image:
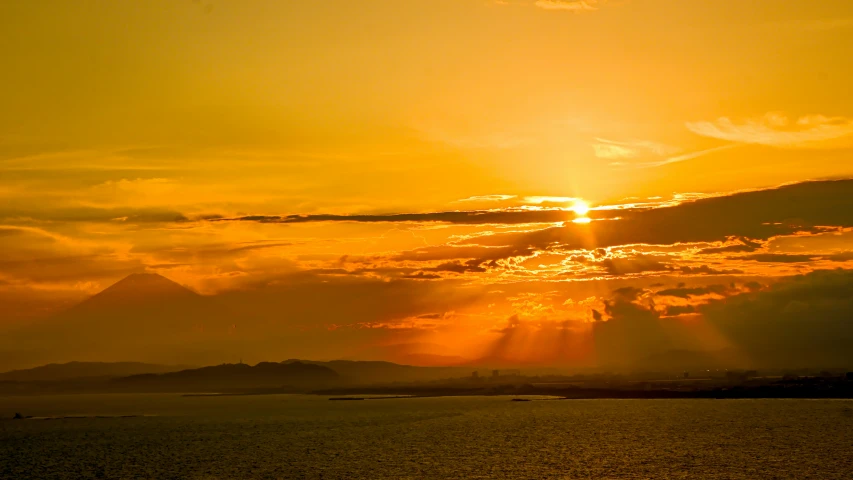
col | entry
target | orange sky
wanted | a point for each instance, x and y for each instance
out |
(250, 148)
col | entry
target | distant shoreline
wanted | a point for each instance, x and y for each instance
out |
(584, 394)
(840, 391)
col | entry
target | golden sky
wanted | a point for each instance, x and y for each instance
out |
(412, 164)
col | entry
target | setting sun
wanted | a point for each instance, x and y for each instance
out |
(581, 208)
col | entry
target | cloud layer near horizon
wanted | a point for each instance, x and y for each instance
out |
(776, 129)
(441, 277)
(412, 152)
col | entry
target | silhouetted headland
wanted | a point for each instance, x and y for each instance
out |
(290, 376)
(91, 370)
(236, 378)
(391, 380)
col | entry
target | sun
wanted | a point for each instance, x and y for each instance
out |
(581, 208)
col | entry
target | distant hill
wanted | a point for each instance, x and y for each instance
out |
(234, 377)
(75, 370)
(686, 360)
(298, 375)
(372, 372)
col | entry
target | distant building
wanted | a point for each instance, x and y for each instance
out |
(475, 375)
(496, 373)
(686, 374)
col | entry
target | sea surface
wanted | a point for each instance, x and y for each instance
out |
(293, 436)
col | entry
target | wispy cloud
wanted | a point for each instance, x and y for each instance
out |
(612, 152)
(575, 6)
(774, 129)
(778, 130)
(686, 156)
(487, 198)
(570, 5)
(545, 199)
(611, 149)
(473, 217)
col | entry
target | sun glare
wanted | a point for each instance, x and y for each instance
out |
(581, 208)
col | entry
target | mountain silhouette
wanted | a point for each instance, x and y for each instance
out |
(142, 318)
(138, 289)
(149, 318)
(146, 304)
(76, 370)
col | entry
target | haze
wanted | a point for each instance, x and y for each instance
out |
(580, 184)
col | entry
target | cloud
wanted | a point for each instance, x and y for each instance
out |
(776, 258)
(487, 198)
(755, 215)
(742, 245)
(633, 332)
(458, 267)
(613, 150)
(471, 217)
(643, 263)
(795, 258)
(208, 252)
(765, 212)
(687, 292)
(570, 5)
(638, 264)
(552, 200)
(820, 207)
(303, 299)
(776, 129)
(95, 214)
(493, 203)
(686, 156)
(800, 321)
(706, 270)
(840, 257)
(720, 235)
(450, 252)
(574, 6)
(758, 215)
(676, 310)
(804, 320)
(289, 316)
(666, 155)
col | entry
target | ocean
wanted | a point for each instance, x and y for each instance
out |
(300, 436)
